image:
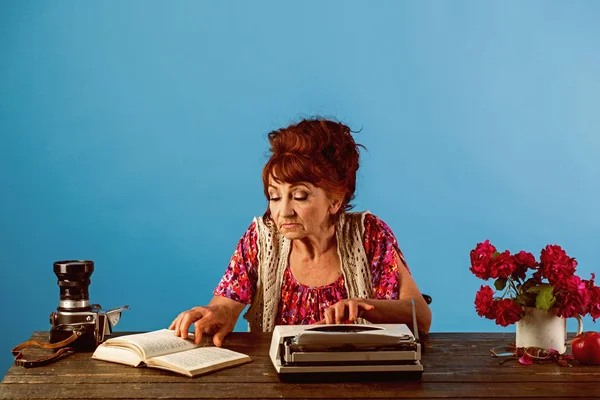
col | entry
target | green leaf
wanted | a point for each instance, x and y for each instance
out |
(500, 283)
(534, 289)
(495, 254)
(526, 299)
(545, 299)
(528, 283)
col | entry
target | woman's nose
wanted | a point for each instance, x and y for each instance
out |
(286, 208)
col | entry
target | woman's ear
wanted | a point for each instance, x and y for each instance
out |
(335, 205)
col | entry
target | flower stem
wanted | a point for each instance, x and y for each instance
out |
(511, 283)
(506, 290)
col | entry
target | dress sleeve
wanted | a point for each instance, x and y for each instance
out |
(380, 242)
(239, 281)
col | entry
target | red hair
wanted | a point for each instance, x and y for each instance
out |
(317, 151)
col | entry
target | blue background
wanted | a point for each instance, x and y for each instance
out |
(134, 133)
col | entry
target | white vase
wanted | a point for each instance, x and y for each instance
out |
(538, 328)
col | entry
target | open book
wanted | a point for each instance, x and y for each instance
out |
(162, 349)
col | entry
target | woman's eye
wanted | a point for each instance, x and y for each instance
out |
(300, 196)
(274, 198)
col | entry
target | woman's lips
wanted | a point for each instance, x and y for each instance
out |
(289, 225)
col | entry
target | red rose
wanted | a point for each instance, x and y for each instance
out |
(481, 256)
(507, 312)
(523, 261)
(502, 265)
(594, 303)
(572, 297)
(484, 302)
(555, 264)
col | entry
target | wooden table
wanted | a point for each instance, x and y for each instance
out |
(457, 365)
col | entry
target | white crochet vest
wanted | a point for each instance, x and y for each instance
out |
(273, 254)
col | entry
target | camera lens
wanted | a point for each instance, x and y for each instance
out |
(73, 281)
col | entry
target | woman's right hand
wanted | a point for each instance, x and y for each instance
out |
(217, 319)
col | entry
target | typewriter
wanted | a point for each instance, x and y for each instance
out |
(350, 350)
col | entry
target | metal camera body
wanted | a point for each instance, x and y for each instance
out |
(74, 313)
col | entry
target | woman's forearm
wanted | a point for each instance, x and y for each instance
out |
(399, 312)
(232, 308)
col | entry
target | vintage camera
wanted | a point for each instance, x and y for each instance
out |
(74, 313)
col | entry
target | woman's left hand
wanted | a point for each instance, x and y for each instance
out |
(346, 310)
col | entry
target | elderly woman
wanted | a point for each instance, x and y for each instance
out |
(308, 259)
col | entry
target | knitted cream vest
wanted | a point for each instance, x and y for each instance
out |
(273, 254)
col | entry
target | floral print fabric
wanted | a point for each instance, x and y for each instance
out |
(300, 304)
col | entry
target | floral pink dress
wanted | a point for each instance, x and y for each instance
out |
(304, 305)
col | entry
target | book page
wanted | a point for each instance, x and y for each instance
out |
(202, 359)
(152, 344)
(119, 354)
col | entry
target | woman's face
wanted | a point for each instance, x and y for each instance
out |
(300, 209)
